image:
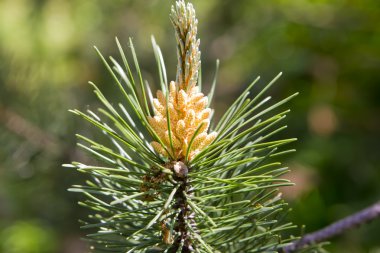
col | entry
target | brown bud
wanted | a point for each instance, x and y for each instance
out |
(180, 169)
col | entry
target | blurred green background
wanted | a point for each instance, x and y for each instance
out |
(329, 51)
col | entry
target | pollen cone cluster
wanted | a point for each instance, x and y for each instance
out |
(181, 117)
(189, 119)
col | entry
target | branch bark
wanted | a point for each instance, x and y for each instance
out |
(364, 216)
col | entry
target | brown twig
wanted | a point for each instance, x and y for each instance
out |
(26, 129)
(366, 215)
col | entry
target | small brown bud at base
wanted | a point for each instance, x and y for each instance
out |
(180, 169)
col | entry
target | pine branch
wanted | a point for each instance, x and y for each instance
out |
(169, 181)
(364, 216)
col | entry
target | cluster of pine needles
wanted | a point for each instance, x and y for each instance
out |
(169, 196)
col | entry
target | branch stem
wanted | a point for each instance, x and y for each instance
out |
(364, 216)
(184, 219)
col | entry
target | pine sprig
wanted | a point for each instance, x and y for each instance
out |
(158, 192)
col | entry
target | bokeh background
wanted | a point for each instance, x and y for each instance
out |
(329, 51)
